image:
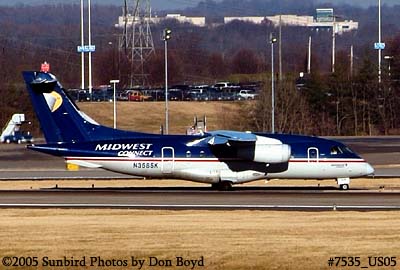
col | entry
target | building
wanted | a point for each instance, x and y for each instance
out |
(324, 19)
(285, 19)
(251, 19)
(198, 21)
(340, 27)
(324, 15)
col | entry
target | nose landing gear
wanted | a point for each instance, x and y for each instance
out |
(344, 183)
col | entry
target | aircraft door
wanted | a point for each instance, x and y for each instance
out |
(312, 154)
(167, 159)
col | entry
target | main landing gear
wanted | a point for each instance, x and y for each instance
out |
(344, 183)
(222, 185)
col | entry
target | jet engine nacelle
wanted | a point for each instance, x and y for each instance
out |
(272, 153)
(266, 150)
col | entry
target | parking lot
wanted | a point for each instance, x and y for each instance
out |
(218, 92)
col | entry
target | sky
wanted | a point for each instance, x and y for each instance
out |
(181, 4)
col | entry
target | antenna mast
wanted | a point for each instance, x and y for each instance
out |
(136, 42)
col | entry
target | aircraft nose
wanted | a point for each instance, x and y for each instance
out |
(369, 169)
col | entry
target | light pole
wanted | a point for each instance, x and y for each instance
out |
(90, 51)
(380, 42)
(166, 36)
(272, 40)
(114, 82)
(82, 53)
(333, 43)
(389, 58)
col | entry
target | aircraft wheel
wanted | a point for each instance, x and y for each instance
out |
(215, 185)
(225, 185)
(8, 141)
(344, 187)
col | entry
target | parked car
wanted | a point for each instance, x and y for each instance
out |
(175, 95)
(157, 94)
(101, 95)
(136, 95)
(122, 97)
(78, 94)
(247, 94)
(196, 96)
(224, 85)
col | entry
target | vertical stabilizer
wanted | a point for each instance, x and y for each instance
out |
(60, 119)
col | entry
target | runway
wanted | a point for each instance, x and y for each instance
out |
(18, 163)
(203, 198)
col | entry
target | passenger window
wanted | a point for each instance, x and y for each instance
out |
(201, 153)
(313, 153)
(188, 154)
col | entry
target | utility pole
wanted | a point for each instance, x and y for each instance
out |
(82, 49)
(280, 48)
(166, 36)
(90, 51)
(114, 82)
(272, 40)
(380, 42)
(82, 53)
(351, 61)
(136, 41)
(333, 42)
(309, 56)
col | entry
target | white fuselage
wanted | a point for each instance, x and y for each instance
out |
(212, 170)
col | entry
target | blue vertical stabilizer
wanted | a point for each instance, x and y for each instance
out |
(60, 119)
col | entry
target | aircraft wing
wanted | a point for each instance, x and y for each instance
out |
(222, 137)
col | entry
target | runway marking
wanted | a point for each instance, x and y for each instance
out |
(201, 206)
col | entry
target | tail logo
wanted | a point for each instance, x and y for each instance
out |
(54, 100)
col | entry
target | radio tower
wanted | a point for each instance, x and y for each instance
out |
(136, 42)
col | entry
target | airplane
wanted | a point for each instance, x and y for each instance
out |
(221, 158)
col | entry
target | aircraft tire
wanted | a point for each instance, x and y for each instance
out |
(225, 185)
(215, 185)
(344, 187)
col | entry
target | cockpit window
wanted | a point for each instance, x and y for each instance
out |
(348, 150)
(336, 150)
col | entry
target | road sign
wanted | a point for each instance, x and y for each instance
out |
(45, 67)
(379, 46)
(86, 48)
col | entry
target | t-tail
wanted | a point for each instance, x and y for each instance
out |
(60, 119)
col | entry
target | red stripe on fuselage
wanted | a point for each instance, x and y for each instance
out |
(213, 160)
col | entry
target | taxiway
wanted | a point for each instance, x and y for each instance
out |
(203, 198)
